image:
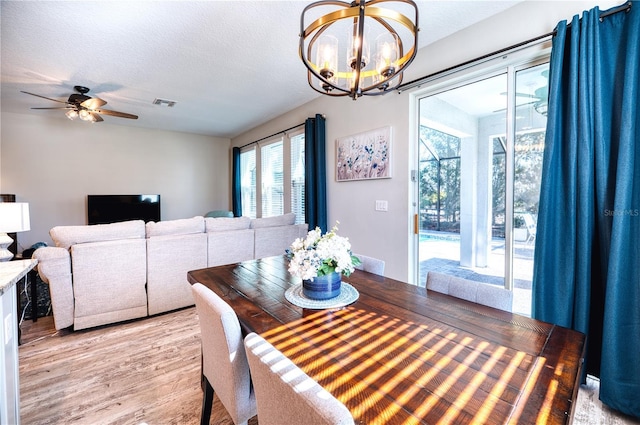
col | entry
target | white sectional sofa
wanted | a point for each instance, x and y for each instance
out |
(108, 273)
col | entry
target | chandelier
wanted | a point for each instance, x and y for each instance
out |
(336, 45)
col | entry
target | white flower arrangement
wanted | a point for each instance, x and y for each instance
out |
(319, 255)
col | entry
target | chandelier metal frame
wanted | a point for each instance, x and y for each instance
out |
(360, 12)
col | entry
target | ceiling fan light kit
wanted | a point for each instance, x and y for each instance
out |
(87, 108)
(335, 47)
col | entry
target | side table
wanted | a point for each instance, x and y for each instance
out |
(33, 282)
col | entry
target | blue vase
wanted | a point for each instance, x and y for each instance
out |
(322, 287)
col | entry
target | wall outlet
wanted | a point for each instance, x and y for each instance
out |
(382, 206)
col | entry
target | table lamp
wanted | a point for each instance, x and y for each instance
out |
(14, 217)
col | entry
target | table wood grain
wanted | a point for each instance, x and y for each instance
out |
(400, 355)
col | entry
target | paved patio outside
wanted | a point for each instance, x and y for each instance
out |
(440, 252)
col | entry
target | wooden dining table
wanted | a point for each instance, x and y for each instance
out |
(401, 354)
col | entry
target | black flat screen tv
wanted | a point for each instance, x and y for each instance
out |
(104, 209)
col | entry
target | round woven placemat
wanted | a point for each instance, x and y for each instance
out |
(348, 295)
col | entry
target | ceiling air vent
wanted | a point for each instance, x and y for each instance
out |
(168, 103)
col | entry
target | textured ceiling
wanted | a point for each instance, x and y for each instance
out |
(229, 65)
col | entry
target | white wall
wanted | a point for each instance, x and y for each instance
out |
(387, 235)
(54, 164)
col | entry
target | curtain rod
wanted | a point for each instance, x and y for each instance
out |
(274, 134)
(419, 81)
(622, 8)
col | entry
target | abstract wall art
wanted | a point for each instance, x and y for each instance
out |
(364, 156)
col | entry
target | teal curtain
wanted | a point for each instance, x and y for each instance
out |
(587, 256)
(315, 186)
(236, 192)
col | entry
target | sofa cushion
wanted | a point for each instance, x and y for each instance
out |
(109, 281)
(229, 247)
(271, 241)
(65, 236)
(169, 258)
(184, 226)
(278, 220)
(54, 267)
(223, 224)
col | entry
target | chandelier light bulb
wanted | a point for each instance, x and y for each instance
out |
(72, 114)
(327, 60)
(357, 44)
(387, 54)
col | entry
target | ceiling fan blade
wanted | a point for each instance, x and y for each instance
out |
(96, 117)
(57, 107)
(116, 114)
(93, 103)
(44, 97)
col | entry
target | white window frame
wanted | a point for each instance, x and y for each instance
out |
(286, 147)
(288, 174)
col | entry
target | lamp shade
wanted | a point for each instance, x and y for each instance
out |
(14, 217)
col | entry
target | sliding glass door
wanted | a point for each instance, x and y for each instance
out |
(480, 155)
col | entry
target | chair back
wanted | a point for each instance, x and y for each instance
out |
(287, 395)
(531, 227)
(224, 361)
(370, 264)
(470, 290)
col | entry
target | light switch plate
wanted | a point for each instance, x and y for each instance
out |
(382, 206)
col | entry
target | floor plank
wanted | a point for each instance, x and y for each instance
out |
(143, 371)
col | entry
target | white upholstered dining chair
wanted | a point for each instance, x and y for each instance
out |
(470, 290)
(370, 264)
(287, 395)
(224, 362)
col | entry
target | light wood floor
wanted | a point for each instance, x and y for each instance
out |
(146, 372)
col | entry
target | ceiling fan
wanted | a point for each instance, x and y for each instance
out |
(539, 99)
(85, 107)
